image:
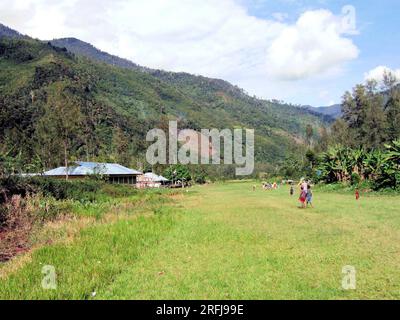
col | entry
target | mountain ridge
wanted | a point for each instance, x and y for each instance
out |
(80, 47)
(88, 50)
(334, 111)
(120, 105)
(8, 32)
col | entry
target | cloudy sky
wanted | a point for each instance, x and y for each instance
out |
(300, 51)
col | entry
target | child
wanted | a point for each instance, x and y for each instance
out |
(302, 198)
(309, 197)
(357, 194)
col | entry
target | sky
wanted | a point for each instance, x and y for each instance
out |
(305, 52)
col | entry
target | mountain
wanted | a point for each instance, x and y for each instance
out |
(10, 33)
(52, 99)
(82, 48)
(181, 79)
(334, 111)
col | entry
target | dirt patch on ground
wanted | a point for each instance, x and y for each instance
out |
(12, 242)
(15, 230)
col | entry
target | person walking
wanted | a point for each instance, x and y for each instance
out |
(304, 186)
(309, 197)
(303, 198)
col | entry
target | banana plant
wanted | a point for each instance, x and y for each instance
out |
(357, 161)
(390, 170)
(373, 163)
(393, 153)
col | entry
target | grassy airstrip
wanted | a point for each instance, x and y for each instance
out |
(221, 241)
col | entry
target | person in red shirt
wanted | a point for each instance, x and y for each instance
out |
(357, 194)
(303, 198)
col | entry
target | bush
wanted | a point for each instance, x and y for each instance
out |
(199, 178)
(17, 223)
(50, 208)
(116, 191)
(178, 172)
(13, 185)
(19, 51)
(80, 190)
(355, 178)
(85, 190)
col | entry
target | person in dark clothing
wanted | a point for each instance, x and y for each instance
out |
(309, 197)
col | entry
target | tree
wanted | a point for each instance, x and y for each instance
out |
(292, 167)
(351, 109)
(309, 134)
(9, 165)
(364, 117)
(120, 143)
(324, 140)
(389, 81)
(373, 127)
(178, 172)
(393, 115)
(392, 107)
(341, 134)
(60, 129)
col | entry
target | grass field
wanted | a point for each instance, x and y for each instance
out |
(221, 241)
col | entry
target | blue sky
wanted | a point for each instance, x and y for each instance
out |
(378, 40)
(299, 51)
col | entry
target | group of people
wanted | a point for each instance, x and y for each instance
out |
(270, 186)
(306, 195)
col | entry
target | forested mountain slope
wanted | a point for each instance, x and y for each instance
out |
(51, 100)
(10, 33)
(198, 86)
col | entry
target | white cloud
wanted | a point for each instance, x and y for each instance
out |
(214, 38)
(315, 44)
(378, 73)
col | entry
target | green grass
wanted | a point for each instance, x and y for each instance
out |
(225, 241)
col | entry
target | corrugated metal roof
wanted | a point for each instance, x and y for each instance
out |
(90, 168)
(155, 177)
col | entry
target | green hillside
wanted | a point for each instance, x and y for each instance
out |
(197, 86)
(51, 99)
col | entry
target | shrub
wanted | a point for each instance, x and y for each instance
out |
(80, 190)
(199, 178)
(116, 191)
(13, 185)
(17, 224)
(355, 178)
